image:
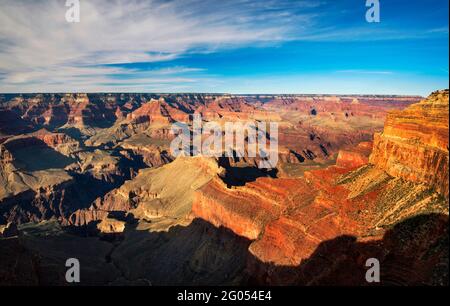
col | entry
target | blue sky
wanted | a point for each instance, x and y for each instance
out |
(235, 46)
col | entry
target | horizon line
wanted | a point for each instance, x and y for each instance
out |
(221, 93)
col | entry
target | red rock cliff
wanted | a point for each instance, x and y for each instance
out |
(414, 144)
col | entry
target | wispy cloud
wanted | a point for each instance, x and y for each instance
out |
(368, 33)
(443, 30)
(37, 45)
(362, 71)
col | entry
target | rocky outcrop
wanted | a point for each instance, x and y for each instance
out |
(38, 178)
(158, 112)
(246, 210)
(61, 142)
(32, 197)
(414, 143)
(111, 226)
(361, 204)
(154, 193)
(153, 149)
(8, 230)
(100, 165)
(411, 253)
(355, 158)
(234, 108)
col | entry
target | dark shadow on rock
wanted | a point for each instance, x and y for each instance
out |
(74, 133)
(98, 113)
(88, 188)
(18, 265)
(11, 123)
(298, 156)
(66, 198)
(413, 252)
(240, 175)
(198, 254)
(32, 154)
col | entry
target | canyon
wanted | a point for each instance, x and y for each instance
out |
(91, 176)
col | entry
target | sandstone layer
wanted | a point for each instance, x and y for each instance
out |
(154, 193)
(414, 143)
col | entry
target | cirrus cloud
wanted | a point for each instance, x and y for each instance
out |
(41, 51)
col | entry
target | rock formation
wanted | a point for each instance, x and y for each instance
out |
(414, 143)
(8, 230)
(111, 226)
(154, 193)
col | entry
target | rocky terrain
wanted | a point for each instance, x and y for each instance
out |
(414, 143)
(364, 204)
(91, 176)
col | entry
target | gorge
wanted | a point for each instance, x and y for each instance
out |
(91, 176)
